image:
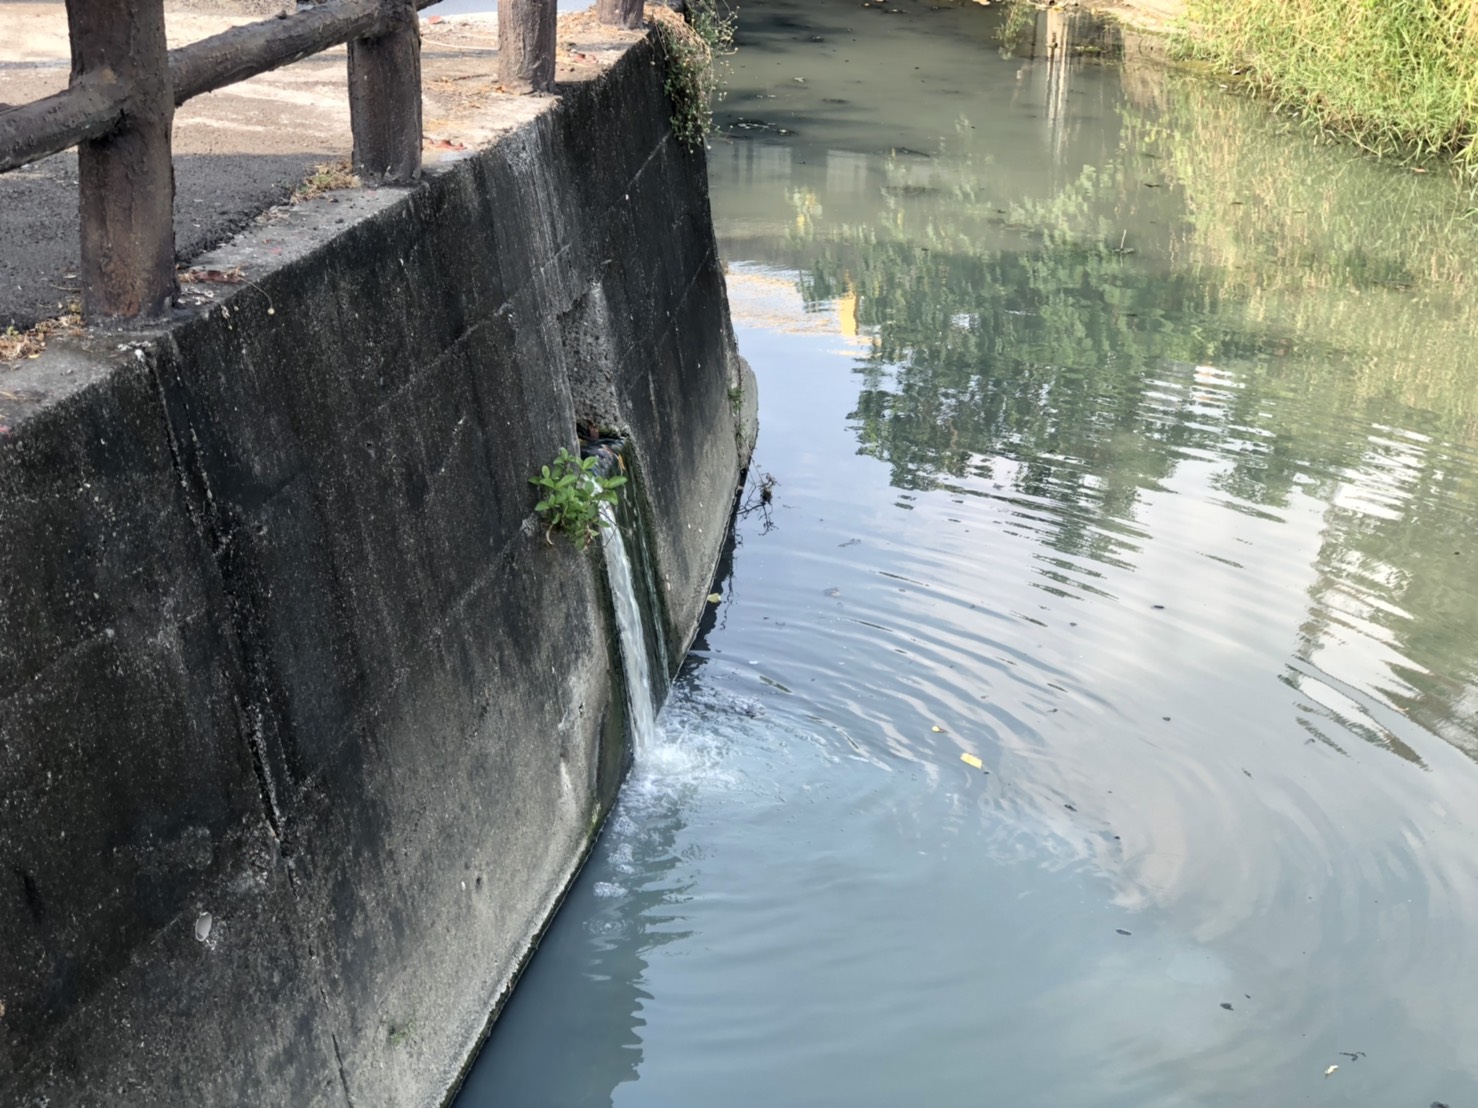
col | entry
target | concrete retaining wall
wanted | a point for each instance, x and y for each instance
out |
(303, 727)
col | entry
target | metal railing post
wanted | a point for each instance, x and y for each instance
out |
(127, 178)
(385, 97)
(526, 31)
(621, 13)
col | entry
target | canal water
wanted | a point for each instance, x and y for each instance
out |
(1123, 439)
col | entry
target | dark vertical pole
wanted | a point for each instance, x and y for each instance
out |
(526, 45)
(127, 179)
(622, 13)
(385, 97)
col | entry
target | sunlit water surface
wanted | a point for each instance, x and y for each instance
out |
(1126, 443)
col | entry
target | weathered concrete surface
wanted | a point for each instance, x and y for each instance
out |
(303, 727)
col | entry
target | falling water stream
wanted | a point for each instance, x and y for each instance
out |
(632, 635)
(1125, 440)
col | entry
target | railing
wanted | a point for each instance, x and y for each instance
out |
(118, 109)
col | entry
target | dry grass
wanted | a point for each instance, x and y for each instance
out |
(326, 177)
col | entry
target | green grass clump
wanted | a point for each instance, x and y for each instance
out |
(1399, 77)
(574, 490)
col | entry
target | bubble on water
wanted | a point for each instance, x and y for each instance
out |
(608, 889)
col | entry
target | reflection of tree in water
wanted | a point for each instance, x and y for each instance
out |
(1397, 565)
(1252, 307)
(1060, 361)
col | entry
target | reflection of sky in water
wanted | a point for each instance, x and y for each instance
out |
(1153, 526)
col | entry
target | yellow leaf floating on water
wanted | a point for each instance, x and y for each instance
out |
(715, 597)
(936, 727)
(1330, 1070)
(971, 760)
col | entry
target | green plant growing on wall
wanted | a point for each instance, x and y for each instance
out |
(691, 48)
(401, 1035)
(573, 494)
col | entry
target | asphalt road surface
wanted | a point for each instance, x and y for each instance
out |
(215, 196)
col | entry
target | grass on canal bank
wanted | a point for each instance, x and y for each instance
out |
(1399, 77)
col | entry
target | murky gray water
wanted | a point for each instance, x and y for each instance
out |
(1125, 443)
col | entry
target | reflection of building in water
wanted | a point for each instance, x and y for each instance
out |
(751, 163)
(1059, 37)
(846, 172)
(847, 310)
(1053, 80)
(762, 163)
